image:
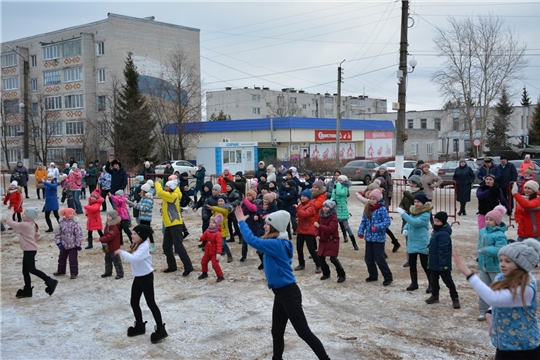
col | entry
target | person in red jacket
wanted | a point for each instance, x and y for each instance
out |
(328, 236)
(93, 221)
(213, 248)
(527, 213)
(221, 180)
(305, 212)
(318, 196)
(14, 196)
(111, 242)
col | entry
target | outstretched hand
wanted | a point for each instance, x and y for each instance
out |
(240, 214)
(460, 264)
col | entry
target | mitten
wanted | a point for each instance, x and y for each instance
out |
(515, 188)
(477, 252)
(361, 192)
(60, 246)
(78, 248)
(400, 210)
(405, 232)
(373, 228)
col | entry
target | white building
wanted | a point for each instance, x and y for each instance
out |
(262, 102)
(64, 77)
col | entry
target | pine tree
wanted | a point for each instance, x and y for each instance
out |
(133, 125)
(525, 100)
(496, 134)
(220, 117)
(534, 131)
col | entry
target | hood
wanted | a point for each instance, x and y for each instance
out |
(346, 183)
(318, 192)
(228, 206)
(114, 221)
(427, 207)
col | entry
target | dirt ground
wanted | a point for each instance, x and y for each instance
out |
(87, 318)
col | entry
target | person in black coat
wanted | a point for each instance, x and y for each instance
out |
(261, 170)
(118, 177)
(289, 197)
(20, 174)
(508, 174)
(464, 178)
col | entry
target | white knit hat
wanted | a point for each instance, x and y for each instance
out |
(146, 188)
(31, 212)
(171, 184)
(279, 221)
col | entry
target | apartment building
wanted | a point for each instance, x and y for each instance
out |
(261, 102)
(62, 80)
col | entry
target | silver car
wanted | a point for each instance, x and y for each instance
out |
(179, 167)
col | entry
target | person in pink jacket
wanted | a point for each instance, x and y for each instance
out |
(120, 204)
(74, 180)
(93, 217)
(28, 234)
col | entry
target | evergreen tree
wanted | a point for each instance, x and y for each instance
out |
(496, 134)
(525, 100)
(534, 131)
(220, 117)
(133, 125)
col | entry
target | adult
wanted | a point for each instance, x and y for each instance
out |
(489, 169)
(464, 178)
(71, 161)
(20, 174)
(239, 183)
(74, 180)
(489, 195)
(104, 181)
(270, 173)
(261, 170)
(221, 180)
(280, 175)
(118, 176)
(97, 164)
(41, 176)
(147, 169)
(67, 169)
(199, 176)
(235, 199)
(331, 184)
(53, 171)
(91, 177)
(508, 174)
(309, 179)
(526, 164)
(527, 213)
(51, 202)
(417, 169)
(430, 181)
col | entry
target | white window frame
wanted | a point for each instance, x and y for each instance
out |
(51, 77)
(34, 109)
(101, 75)
(256, 111)
(14, 154)
(74, 101)
(304, 106)
(11, 107)
(33, 60)
(255, 97)
(75, 46)
(410, 123)
(51, 52)
(55, 128)
(329, 112)
(100, 48)
(268, 104)
(10, 83)
(73, 74)
(33, 84)
(102, 128)
(232, 156)
(55, 154)
(53, 103)
(74, 128)
(429, 148)
(414, 149)
(423, 123)
(328, 100)
(12, 130)
(10, 59)
(437, 124)
(292, 100)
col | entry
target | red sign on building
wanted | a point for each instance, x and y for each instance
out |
(330, 135)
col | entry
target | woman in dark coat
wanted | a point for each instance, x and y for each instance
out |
(51, 202)
(199, 176)
(20, 174)
(464, 178)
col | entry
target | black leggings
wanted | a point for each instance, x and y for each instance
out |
(19, 217)
(29, 267)
(144, 285)
(288, 306)
(124, 226)
(145, 222)
(48, 218)
(312, 248)
(518, 355)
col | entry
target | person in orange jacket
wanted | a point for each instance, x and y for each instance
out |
(305, 212)
(221, 180)
(41, 176)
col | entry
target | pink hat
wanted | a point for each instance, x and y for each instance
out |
(217, 219)
(172, 177)
(66, 212)
(376, 193)
(497, 214)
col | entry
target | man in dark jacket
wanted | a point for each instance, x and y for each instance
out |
(91, 177)
(20, 174)
(489, 169)
(508, 174)
(118, 176)
(260, 171)
(418, 169)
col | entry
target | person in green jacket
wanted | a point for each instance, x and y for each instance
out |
(91, 177)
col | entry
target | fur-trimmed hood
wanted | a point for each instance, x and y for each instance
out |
(427, 207)
(114, 221)
(315, 193)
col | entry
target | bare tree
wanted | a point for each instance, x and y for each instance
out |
(9, 125)
(285, 106)
(481, 58)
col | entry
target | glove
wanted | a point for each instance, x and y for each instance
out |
(477, 252)
(514, 188)
(405, 232)
(60, 246)
(78, 248)
(400, 210)
(360, 236)
(361, 192)
(373, 229)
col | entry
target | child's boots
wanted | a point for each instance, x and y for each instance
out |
(159, 334)
(51, 286)
(353, 240)
(137, 329)
(24, 293)
(90, 243)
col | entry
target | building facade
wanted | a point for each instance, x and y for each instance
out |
(57, 85)
(262, 102)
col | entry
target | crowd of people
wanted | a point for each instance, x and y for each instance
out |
(279, 205)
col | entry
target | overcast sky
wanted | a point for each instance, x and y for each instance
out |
(300, 44)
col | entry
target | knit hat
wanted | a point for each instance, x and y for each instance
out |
(74, 166)
(441, 216)
(146, 188)
(424, 165)
(51, 164)
(319, 184)
(113, 214)
(66, 212)
(376, 193)
(419, 162)
(31, 212)
(226, 168)
(279, 221)
(139, 177)
(172, 177)
(239, 173)
(119, 193)
(306, 193)
(150, 182)
(253, 193)
(415, 179)
(171, 184)
(374, 185)
(217, 187)
(291, 183)
(261, 162)
(14, 183)
(115, 162)
(421, 197)
(383, 167)
(343, 178)
(144, 231)
(269, 197)
(329, 203)
(497, 214)
(531, 184)
(293, 169)
(217, 219)
(525, 254)
(147, 163)
(184, 174)
(270, 167)
(462, 160)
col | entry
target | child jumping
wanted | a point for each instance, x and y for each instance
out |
(68, 238)
(110, 242)
(213, 248)
(328, 236)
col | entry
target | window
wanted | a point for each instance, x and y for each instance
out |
(328, 100)
(54, 128)
(74, 128)
(11, 83)
(73, 101)
(455, 124)
(304, 106)
(102, 128)
(9, 60)
(35, 109)
(280, 99)
(414, 149)
(456, 145)
(423, 123)
(268, 104)
(15, 154)
(74, 74)
(51, 77)
(410, 123)
(77, 154)
(33, 60)
(13, 130)
(100, 48)
(292, 100)
(437, 124)
(33, 84)
(329, 112)
(11, 107)
(443, 145)
(256, 111)
(53, 103)
(429, 148)
(71, 48)
(368, 110)
(55, 154)
(51, 52)
(256, 98)
(101, 75)
(101, 103)
(466, 125)
(232, 156)
(478, 123)
(362, 102)
(467, 144)
(344, 103)
(455, 113)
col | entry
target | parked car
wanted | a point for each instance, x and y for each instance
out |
(495, 159)
(536, 171)
(446, 172)
(179, 166)
(359, 170)
(408, 167)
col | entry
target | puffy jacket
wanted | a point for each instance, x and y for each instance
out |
(490, 240)
(440, 249)
(111, 235)
(339, 195)
(289, 197)
(261, 216)
(121, 206)
(225, 211)
(221, 181)
(145, 207)
(250, 209)
(489, 197)
(305, 213)
(15, 200)
(319, 197)
(430, 178)
(524, 166)
(328, 233)
(508, 174)
(69, 234)
(105, 181)
(28, 234)
(51, 200)
(91, 175)
(170, 208)
(418, 228)
(527, 216)
(493, 170)
(93, 221)
(234, 197)
(74, 180)
(214, 241)
(379, 219)
(22, 175)
(199, 175)
(118, 178)
(40, 175)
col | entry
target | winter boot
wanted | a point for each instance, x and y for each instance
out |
(118, 267)
(152, 247)
(51, 286)
(432, 299)
(49, 224)
(159, 334)
(203, 275)
(414, 281)
(340, 271)
(353, 241)
(90, 243)
(261, 267)
(229, 258)
(24, 293)
(136, 329)
(456, 304)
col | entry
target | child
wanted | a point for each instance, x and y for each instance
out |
(145, 206)
(135, 196)
(289, 198)
(249, 208)
(213, 248)
(51, 201)
(104, 182)
(14, 196)
(375, 220)
(68, 238)
(490, 240)
(28, 234)
(64, 183)
(512, 318)
(120, 205)
(83, 182)
(93, 221)
(110, 241)
(328, 236)
(417, 232)
(415, 187)
(340, 193)
(440, 261)
(143, 283)
(224, 208)
(278, 253)
(305, 212)
(206, 193)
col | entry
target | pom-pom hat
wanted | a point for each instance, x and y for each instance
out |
(497, 214)
(376, 193)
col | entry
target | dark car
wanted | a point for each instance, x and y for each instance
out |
(359, 170)
(446, 172)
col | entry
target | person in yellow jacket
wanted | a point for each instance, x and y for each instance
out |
(174, 225)
(41, 176)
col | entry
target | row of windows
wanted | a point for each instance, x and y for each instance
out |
(70, 102)
(11, 83)
(414, 149)
(51, 78)
(53, 129)
(423, 124)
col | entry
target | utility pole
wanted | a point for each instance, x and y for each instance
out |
(402, 90)
(338, 117)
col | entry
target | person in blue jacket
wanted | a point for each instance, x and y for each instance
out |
(489, 169)
(278, 251)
